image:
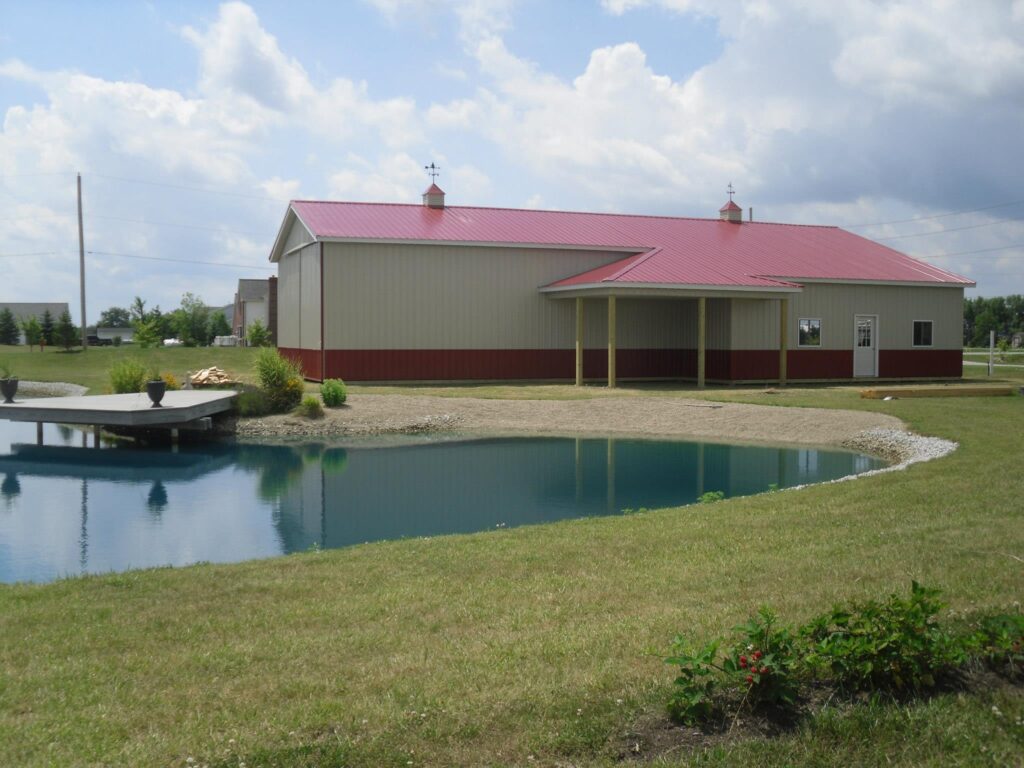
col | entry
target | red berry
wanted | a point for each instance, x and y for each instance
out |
(764, 670)
(757, 654)
(743, 659)
(750, 679)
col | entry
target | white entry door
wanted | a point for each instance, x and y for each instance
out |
(865, 345)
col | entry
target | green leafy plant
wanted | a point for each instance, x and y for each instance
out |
(257, 335)
(280, 379)
(334, 392)
(33, 332)
(6, 370)
(693, 691)
(117, 340)
(999, 642)
(764, 660)
(710, 497)
(128, 375)
(310, 407)
(147, 333)
(893, 646)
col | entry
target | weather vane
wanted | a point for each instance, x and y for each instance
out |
(731, 191)
(433, 170)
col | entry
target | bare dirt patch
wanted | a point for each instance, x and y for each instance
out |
(646, 416)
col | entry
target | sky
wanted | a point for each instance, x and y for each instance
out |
(193, 123)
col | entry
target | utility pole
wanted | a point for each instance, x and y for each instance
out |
(81, 263)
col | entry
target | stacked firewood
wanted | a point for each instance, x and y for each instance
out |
(211, 377)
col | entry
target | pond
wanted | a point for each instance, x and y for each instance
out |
(66, 509)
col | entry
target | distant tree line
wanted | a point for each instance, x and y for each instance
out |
(193, 323)
(39, 331)
(1002, 314)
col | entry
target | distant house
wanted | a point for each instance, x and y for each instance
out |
(23, 310)
(127, 333)
(255, 300)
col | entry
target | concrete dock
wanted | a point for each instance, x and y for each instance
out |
(183, 409)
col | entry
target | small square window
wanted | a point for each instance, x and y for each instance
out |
(810, 332)
(922, 333)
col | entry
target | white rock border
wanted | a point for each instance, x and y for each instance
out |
(50, 389)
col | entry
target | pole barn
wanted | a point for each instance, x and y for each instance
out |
(388, 292)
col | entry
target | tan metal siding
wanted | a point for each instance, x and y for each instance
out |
(297, 235)
(896, 306)
(401, 296)
(309, 298)
(719, 323)
(288, 293)
(755, 324)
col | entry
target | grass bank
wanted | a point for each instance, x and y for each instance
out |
(531, 646)
(92, 367)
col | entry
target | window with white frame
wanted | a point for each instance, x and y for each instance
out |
(810, 332)
(922, 333)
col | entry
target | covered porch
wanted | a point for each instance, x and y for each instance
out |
(710, 357)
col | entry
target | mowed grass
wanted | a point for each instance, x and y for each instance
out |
(533, 646)
(92, 367)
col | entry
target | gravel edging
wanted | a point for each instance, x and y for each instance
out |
(902, 448)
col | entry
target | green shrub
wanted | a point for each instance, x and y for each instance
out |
(999, 642)
(310, 407)
(280, 380)
(128, 375)
(257, 334)
(693, 691)
(117, 341)
(763, 661)
(892, 646)
(334, 392)
(253, 403)
(710, 497)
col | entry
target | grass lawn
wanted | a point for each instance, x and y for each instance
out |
(91, 368)
(532, 646)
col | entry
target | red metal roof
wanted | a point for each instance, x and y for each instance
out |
(664, 250)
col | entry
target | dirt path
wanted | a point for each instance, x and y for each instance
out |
(642, 416)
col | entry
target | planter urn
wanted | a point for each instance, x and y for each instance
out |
(156, 389)
(8, 388)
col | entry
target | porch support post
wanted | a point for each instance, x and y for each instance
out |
(702, 334)
(579, 341)
(611, 341)
(783, 338)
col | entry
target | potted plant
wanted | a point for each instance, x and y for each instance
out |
(155, 388)
(8, 382)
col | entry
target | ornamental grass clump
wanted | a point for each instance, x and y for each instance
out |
(128, 376)
(310, 407)
(280, 380)
(334, 392)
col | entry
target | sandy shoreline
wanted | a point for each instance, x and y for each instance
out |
(636, 416)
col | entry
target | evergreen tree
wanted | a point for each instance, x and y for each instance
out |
(65, 333)
(9, 333)
(257, 335)
(47, 324)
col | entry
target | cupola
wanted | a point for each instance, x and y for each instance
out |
(433, 197)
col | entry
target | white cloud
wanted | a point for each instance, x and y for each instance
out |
(282, 189)
(238, 56)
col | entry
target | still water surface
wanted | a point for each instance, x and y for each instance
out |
(67, 510)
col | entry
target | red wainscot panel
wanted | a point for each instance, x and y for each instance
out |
(502, 364)
(819, 364)
(918, 363)
(753, 364)
(308, 359)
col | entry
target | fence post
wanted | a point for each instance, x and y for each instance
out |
(991, 351)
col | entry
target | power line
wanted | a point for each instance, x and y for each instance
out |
(950, 229)
(32, 253)
(937, 216)
(969, 253)
(178, 261)
(209, 190)
(179, 224)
